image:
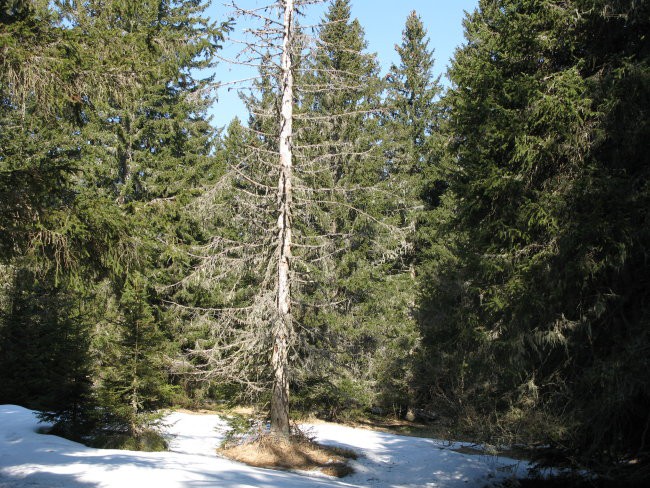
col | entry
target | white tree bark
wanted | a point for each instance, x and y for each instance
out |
(283, 326)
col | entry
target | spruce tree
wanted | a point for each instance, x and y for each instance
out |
(151, 144)
(412, 90)
(540, 292)
(411, 145)
(44, 340)
(116, 152)
(50, 238)
(39, 141)
(357, 304)
(105, 137)
(131, 376)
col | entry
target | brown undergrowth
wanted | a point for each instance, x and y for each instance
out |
(297, 451)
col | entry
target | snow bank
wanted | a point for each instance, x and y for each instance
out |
(29, 459)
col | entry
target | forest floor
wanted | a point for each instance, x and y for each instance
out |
(30, 459)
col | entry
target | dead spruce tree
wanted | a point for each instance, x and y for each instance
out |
(299, 218)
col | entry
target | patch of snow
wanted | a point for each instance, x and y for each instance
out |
(29, 459)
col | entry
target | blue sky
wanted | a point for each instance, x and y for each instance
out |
(383, 22)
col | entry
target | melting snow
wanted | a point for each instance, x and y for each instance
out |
(29, 459)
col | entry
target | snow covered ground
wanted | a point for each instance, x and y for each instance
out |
(29, 459)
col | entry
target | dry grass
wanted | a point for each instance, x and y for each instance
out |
(240, 410)
(439, 430)
(291, 453)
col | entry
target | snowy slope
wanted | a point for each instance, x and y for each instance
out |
(29, 459)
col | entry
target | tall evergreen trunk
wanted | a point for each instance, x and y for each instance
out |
(279, 358)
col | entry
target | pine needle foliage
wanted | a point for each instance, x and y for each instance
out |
(107, 139)
(538, 296)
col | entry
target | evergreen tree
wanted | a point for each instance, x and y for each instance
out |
(109, 134)
(131, 374)
(541, 299)
(44, 341)
(355, 305)
(148, 149)
(412, 148)
(606, 242)
(50, 238)
(411, 98)
(39, 143)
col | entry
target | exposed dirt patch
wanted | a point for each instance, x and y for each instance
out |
(248, 411)
(291, 453)
(436, 430)
(472, 451)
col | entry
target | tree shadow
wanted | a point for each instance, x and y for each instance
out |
(43, 480)
(389, 459)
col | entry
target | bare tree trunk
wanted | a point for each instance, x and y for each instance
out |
(283, 326)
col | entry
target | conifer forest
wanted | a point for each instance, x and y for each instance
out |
(362, 245)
